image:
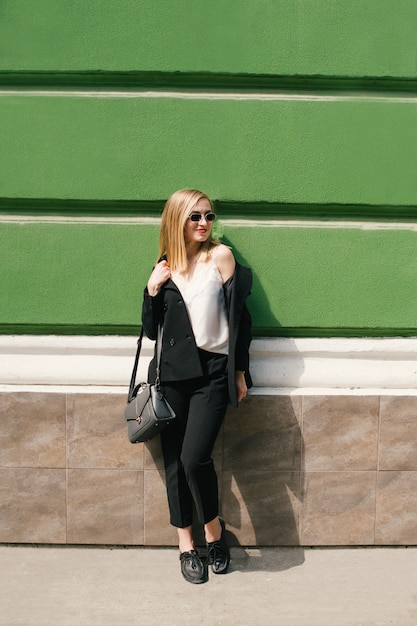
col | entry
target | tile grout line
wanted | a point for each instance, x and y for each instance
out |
(66, 469)
(144, 481)
(143, 505)
(377, 468)
(302, 476)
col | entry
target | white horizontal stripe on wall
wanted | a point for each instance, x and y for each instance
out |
(182, 94)
(251, 222)
(276, 363)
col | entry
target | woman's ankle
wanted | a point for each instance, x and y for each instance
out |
(185, 539)
(213, 530)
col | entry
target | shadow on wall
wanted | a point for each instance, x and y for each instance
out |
(263, 465)
(262, 474)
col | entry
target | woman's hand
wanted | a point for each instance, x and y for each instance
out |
(160, 274)
(241, 387)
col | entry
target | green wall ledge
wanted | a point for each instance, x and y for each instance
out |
(226, 208)
(205, 80)
(126, 330)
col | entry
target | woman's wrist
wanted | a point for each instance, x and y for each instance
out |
(153, 289)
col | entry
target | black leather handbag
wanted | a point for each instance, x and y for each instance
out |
(147, 412)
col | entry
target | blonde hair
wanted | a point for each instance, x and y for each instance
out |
(177, 209)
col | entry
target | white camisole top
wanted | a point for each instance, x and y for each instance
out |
(204, 298)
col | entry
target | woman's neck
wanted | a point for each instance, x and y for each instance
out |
(193, 252)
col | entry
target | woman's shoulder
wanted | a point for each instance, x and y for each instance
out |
(225, 261)
(222, 252)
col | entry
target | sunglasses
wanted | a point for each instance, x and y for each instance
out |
(197, 217)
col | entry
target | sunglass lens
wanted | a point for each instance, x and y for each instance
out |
(196, 217)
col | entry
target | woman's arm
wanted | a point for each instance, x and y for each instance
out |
(225, 261)
(236, 290)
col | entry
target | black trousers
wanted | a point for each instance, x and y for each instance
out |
(200, 405)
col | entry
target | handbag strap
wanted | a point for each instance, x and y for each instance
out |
(135, 366)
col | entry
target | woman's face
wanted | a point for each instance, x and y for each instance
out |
(199, 232)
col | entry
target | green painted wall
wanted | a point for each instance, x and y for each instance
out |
(309, 281)
(360, 152)
(279, 109)
(295, 37)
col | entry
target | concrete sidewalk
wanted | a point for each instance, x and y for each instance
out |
(63, 586)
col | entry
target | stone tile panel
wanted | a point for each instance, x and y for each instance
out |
(398, 436)
(105, 506)
(396, 511)
(340, 432)
(152, 450)
(97, 433)
(32, 505)
(338, 508)
(262, 508)
(264, 433)
(158, 530)
(32, 432)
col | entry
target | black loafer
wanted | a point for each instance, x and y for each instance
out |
(193, 568)
(218, 554)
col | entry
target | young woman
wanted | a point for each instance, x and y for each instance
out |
(198, 291)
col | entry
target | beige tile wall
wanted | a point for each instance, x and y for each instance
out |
(313, 470)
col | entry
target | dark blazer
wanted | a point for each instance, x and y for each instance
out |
(180, 359)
